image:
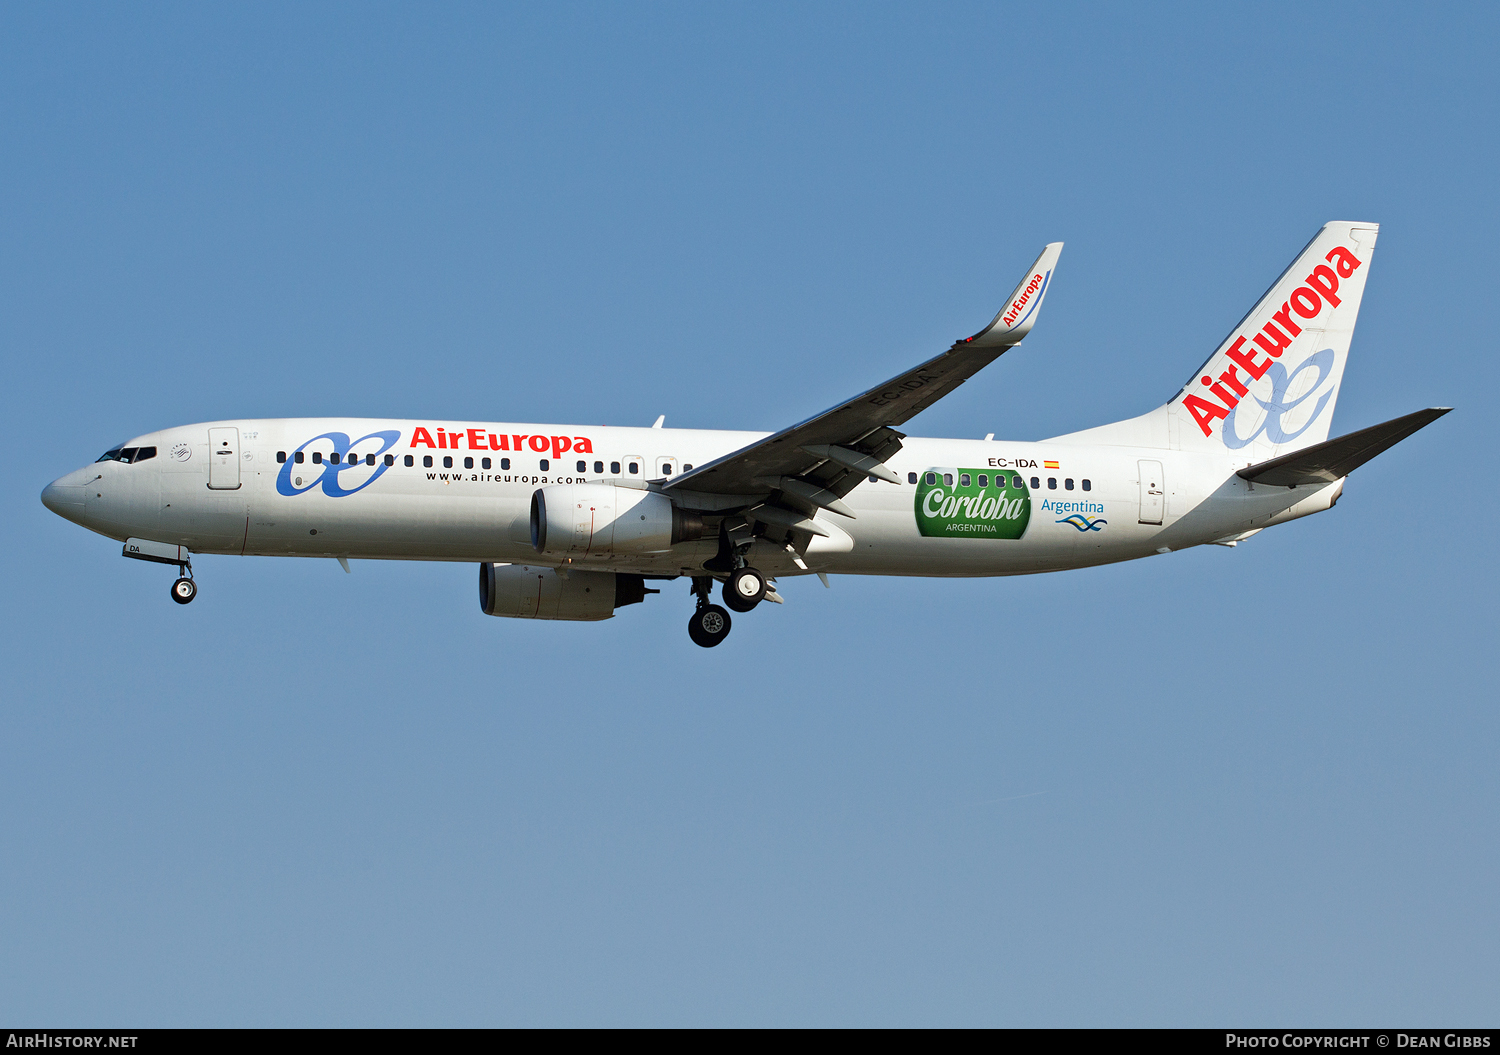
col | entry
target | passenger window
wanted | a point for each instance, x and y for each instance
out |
(1052, 483)
(1016, 482)
(687, 468)
(427, 461)
(298, 457)
(948, 479)
(408, 461)
(1035, 483)
(666, 470)
(369, 459)
(1068, 483)
(911, 478)
(965, 480)
(931, 479)
(280, 457)
(447, 461)
(484, 463)
(468, 463)
(505, 463)
(599, 468)
(144, 453)
(1087, 486)
(583, 467)
(545, 464)
(634, 467)
(984, 481)
(614, 468)
(390, 460)
(317, 457)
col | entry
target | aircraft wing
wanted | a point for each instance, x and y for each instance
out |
(1325, 462)
(819, 461)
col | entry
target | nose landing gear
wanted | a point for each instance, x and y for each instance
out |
(184, 590)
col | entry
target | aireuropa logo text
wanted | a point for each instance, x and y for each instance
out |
(1274, 337)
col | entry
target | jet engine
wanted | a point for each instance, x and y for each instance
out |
(601, 520)
(524, 592)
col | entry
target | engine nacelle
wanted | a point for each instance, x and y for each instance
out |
(601, 520)
(524, 592)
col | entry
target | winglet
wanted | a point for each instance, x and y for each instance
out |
(1016, 319)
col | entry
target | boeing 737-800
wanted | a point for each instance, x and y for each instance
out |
(573, 521)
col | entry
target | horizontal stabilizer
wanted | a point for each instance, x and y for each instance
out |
(1334, 459)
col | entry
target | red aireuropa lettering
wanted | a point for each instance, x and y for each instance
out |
(1232, 379)
(1230, 400)
(1328, 287)
(1204, 412)
(1247, 360)
(1274, 337)
(1306, 303)
(1347, 262)
(1284, 316)
(454, 440)
(1272, 341)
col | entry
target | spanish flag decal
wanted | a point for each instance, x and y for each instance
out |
(1049, 465)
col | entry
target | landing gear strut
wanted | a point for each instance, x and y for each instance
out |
(710, 623)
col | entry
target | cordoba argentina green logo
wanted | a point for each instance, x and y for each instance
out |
(972, 503)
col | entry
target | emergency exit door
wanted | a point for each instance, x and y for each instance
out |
(1153, 492)
(224, 459)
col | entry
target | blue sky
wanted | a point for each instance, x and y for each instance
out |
(1252, 786)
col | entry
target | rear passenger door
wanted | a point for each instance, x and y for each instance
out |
(1153, 492)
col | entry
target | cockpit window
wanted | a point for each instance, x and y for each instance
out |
(128, 454)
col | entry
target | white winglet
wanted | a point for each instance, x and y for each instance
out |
(1016, 319)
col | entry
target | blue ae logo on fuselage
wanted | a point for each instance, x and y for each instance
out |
(336, 464)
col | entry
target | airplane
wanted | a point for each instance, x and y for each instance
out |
(571, 521)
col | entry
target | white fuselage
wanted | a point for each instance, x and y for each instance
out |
(249, 502)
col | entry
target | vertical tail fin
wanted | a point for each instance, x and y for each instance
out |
(1270, 387)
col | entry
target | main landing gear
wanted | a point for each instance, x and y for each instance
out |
(743, 590)
(710, 624)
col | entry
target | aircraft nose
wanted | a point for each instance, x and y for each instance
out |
(63, 498)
